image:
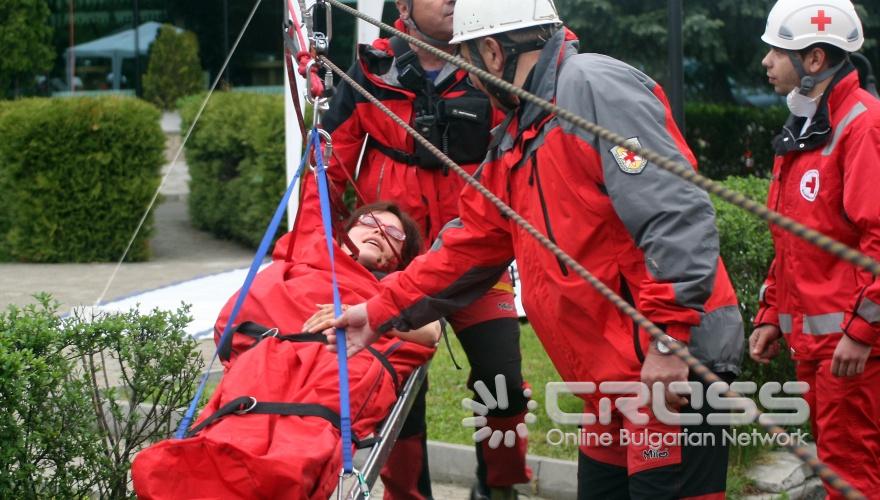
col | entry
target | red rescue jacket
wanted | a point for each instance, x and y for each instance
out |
(636, 227)
(826, 179)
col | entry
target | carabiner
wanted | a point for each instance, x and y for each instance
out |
(361, 487)
(328, 149)
(321, 38)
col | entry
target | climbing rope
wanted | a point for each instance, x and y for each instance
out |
(686, 172)
(821, 470)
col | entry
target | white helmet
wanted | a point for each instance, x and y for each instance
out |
(797, 24)
(478, 18)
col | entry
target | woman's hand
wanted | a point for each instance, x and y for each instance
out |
(322, 319)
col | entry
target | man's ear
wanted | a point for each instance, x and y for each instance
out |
(816, 60)
(493, 55)
(403, 9)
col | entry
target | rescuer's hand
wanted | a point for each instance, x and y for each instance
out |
(764, 343)
(358, 334)
(665, 368)
(850, 357)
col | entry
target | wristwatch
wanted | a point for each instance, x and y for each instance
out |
(662, 348)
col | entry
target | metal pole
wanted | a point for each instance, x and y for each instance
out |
(71, 55)
(226, 35)
(293, 142)
(676, 61)
(136, 20)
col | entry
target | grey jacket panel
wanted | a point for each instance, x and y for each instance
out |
(670, 219)
(719, 341)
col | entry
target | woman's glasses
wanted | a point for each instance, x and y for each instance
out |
(370, 221)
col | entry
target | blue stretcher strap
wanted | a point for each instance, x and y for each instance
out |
(252, 273)
(342, 356)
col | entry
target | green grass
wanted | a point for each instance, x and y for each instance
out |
(448, 386)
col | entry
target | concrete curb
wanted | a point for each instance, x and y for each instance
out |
(455, 463)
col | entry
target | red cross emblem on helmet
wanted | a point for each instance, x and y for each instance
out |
(820, 20)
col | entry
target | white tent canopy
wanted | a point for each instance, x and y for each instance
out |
(116, 47)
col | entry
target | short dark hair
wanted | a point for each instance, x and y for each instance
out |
(834, 55)
(412, 246)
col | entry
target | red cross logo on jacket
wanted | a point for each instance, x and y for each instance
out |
(810, 185)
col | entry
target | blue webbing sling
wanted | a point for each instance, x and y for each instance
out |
(314, 144)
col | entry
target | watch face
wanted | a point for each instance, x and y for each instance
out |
(663, 348)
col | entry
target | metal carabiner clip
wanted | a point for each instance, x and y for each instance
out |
(328, 149)
(361, 487)
(321, 39)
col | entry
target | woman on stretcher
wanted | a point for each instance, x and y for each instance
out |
(264, 454)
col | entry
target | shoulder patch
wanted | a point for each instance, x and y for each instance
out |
(628, 161)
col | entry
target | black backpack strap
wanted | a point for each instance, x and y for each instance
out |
(249, 405)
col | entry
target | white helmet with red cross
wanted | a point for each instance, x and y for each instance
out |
(479, 18)
(798, 24)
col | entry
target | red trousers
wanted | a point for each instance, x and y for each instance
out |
(845, 417)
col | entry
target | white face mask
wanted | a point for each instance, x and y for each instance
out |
(801, 105)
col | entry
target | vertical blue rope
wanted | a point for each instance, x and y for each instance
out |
(342, 355)
(252, 273)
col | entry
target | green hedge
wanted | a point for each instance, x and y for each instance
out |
(77, 175)
(720, 135)
(236, 160)
(747, 250)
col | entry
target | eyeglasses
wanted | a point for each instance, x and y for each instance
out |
(370, 221)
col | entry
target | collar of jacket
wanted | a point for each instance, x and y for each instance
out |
(379, 65)
(844, 83)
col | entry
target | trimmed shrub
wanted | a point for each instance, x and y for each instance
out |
(77, 175)
(65, 432)
(237, 163)
(722, 135)
(174, 70)
(747, 249)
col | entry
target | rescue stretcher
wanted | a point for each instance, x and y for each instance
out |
(369, 461)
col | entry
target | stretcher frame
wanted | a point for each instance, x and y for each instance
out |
(386, 436)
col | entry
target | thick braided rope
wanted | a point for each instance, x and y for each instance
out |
(698, 368)
(822, 241)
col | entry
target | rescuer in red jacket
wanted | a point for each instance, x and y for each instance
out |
(825, 175)
(437, 99)
(644, 232)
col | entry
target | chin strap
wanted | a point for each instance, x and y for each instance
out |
(809, 82)
(512, 51)
(505, 99)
